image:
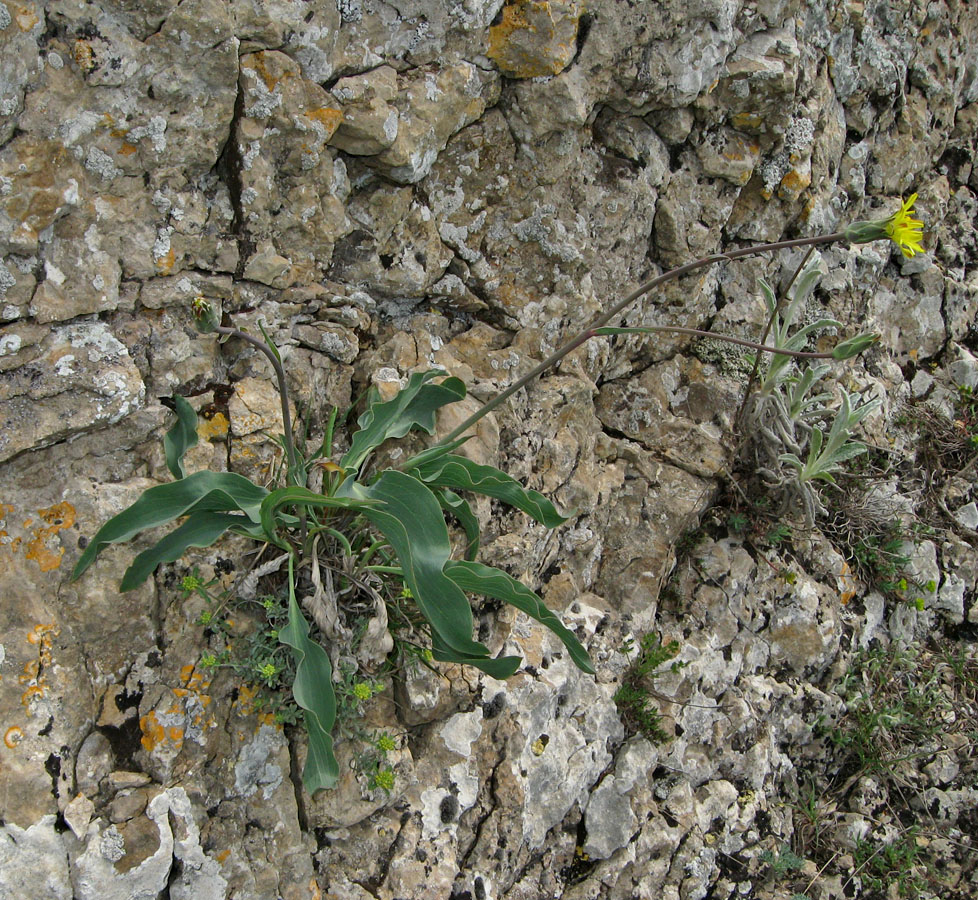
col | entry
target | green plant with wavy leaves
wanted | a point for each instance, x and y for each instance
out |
(405, 507)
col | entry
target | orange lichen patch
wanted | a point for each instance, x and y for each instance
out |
(84, 55)
(127, 149)
(26, 17)
(216, 427)
(329, 118)
(13, 736)
(57, 518)
(535, 37)
(246, 706)
(796, 181)
(33, 673)
(222, 856)
(314, 891)
(164, 265)
(153, 734)
(847, 584)
(260, 64)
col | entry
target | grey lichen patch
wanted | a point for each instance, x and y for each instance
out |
(253, 770)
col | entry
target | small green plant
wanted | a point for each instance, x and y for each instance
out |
(893, 706)
(782, 863)
(783, 416)
(633, 697)
(885, 865)
(406, 507)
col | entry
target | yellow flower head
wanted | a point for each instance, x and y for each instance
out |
(904, 230)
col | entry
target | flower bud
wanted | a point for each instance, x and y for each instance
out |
(854, 346)
(206, 318)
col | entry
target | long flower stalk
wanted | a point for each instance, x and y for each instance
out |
(593, 329)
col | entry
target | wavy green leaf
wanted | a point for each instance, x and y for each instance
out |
(460, 473)
(500, 667)
(181, 437)
(313, 691)
(200, 530)
(481, 579)
(412, 521)
(414, 406)
(197, 493)
(460, 509)
(271, 519)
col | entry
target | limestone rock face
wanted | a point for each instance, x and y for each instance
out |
(388, 186)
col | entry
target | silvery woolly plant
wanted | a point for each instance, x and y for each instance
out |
(379, 533)
(783, 418)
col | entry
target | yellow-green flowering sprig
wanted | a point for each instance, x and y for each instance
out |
(900, 228)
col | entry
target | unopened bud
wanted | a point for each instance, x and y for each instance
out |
(865, 231)
(854, 346)
(206, 318)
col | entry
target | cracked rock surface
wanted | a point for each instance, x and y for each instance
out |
(392, 185)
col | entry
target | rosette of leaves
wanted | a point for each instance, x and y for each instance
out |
(405, 506)
(786, 414)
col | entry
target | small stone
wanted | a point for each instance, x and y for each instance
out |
(120, 780)
(967, 516)
(127, 805)
(268, 267)
(95, 761)
(78, 813)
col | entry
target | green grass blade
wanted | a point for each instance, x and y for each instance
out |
(200, 530)
(200, 492)
(181, 437)
(462, 474)
(313, 691)
(480, 579)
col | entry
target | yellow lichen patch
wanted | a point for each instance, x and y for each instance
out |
(222, 856)
(216, 427)
(84, 55)
(329, 118)
(164, 265)
(57, 518)
(747, 120)
(13, 736)
(535, 37)
(153, 734)
(315, 893)
(26, 17)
